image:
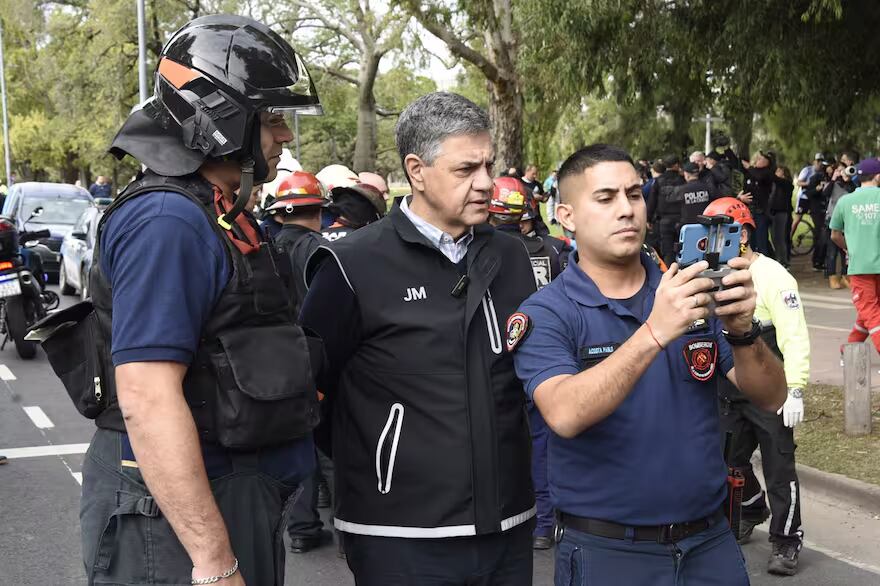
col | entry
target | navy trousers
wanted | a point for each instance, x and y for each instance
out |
(710, 558)
(540, 435)
(761, 235)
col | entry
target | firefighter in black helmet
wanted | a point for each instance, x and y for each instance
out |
(202, 436)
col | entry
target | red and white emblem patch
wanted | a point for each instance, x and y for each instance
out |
(701, 357)
(518, 326)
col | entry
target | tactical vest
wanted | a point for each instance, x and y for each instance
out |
(546, 260)
(668, 203)
(242, 395)
(694, 196)
(336, 231)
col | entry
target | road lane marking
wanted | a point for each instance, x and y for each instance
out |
(39, 418)
(829, 328)
(78, 476)
(5, 373)
(826, 297)
(823, 305)
(51, 450)
(842, 557)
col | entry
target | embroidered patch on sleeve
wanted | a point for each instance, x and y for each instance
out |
(518, 327)
(791, 299)
(701, 357)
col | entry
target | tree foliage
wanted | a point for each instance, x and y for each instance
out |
(794, 75)
(348, 39)
(71, 72)
(777, 62)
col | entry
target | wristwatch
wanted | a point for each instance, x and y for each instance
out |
(746, 339)
(796, 393)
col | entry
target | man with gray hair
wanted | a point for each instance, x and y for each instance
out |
(704, 175)
(430, 436)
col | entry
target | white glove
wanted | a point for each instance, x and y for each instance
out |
(792, 410)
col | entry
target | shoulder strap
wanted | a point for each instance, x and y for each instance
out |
(186, 186)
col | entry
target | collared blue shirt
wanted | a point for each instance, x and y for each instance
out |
(167, 269)
(453, 249)
(657, 458)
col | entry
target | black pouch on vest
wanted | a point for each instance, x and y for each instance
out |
(258, 403)
(72, 344)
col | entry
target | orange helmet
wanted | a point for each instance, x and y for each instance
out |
(299, 189)
(730, 206)
(508, 198)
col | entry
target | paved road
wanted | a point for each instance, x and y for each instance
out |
(45, 437)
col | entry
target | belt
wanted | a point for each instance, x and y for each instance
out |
(670, 533)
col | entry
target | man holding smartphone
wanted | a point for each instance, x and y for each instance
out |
(622, 363)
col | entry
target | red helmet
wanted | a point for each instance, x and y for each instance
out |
(508, 198)
(730, 206)
(299, 189)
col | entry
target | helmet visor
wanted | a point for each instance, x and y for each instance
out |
(302, 97)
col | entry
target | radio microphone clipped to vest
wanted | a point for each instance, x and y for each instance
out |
(461, 286)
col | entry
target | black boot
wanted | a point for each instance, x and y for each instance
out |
(747, 525)
(784, 559)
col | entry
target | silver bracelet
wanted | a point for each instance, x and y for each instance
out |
(214, 579)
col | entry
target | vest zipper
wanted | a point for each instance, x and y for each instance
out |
(98, 393)
(396, 409)
(492, 324)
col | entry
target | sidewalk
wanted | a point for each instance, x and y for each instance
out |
(830, 317)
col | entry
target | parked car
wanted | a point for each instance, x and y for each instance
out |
(103, 202)
(77, 250)
(62, 205)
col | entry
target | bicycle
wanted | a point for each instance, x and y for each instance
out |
(804, 238)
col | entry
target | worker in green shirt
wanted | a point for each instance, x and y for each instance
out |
(855, 228)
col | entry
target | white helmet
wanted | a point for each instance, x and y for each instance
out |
(333, 176)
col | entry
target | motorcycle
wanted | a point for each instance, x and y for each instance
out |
(24, 298)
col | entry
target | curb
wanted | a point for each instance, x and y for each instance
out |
(837, 486)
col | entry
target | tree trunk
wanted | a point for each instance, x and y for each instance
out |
(680, 140)
(741, 133)
(506, 113)
(365, 144)
(69, 170)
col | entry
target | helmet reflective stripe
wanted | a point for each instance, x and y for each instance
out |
(177, 75)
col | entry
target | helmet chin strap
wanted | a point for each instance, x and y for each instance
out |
(244, 195)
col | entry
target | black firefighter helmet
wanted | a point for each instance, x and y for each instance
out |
(215, 76)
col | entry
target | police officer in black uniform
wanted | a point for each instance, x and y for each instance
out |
(297, 203)
(202, 435)
(549, 254)
(694, 195)
(664, 209)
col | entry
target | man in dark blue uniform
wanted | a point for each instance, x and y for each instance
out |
(507, 210)
(201, 436)
(621, 362)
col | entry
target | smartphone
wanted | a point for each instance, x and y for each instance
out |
(695, 240)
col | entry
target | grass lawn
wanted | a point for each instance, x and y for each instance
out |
(822, 443)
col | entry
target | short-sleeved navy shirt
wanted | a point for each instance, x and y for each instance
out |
(657, 458)
(167, 268)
